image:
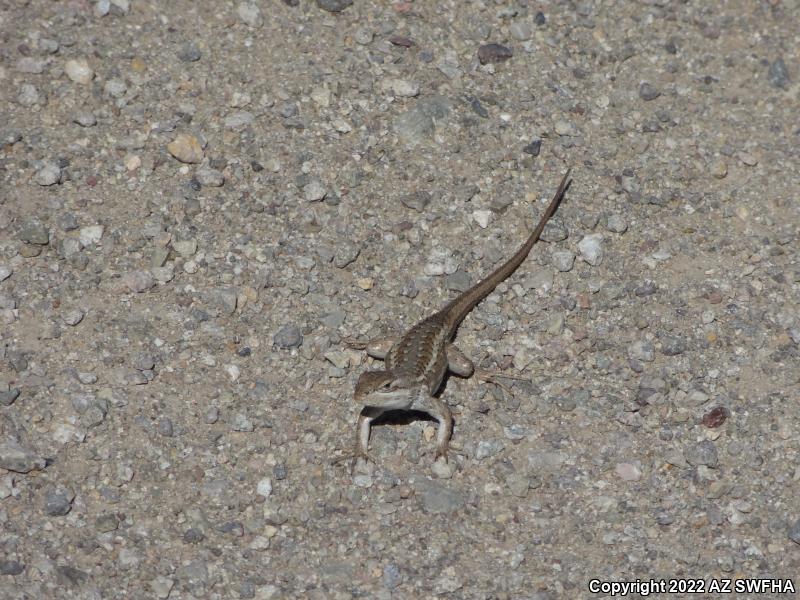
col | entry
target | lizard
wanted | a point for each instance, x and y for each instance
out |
(416, 362)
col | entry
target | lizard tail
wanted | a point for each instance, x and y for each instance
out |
(460, 307)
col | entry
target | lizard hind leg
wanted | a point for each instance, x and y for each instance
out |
(377, 348)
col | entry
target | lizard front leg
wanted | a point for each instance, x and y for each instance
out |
(439, 410)
(362, 438)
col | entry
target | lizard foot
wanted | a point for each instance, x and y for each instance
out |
(355, 343)
(491, 377)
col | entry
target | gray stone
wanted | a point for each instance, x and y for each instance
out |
(392, 578)
(437, 498)
(85, 119)
(138, 281)
(314, 191)
(29, 96)
(239, 119)
(418, 200)
(210, 177)
(648, 92)
(11, 567)
(778, 75)
(334, 5)
(563, 260)
(58, 501)
(642, 350)
(49, 174)
(165, 427)
(14, 457)
(616, 223)
(34, 232)
(590, 249)
(288, 336)
(703, 453)
(418, 123)
(8, 397)
(250, 14)
(794, 532)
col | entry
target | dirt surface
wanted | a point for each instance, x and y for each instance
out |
(199, 200)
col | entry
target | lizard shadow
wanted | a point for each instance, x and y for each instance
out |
(406, 416)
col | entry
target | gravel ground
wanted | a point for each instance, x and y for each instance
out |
(199, 200)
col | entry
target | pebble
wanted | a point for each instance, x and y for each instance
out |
(418, 123)
(34, 232)
(488, 448)
(58, 501)
(186, 148)
(91, 235)
(211, 415)
(794, 532)
(436, 498)
(628, 471)
(314, 191)
(616, 223)
(209, 177)
(648, 92)
(14, 457)
(264, 487)
(346, 254)
(250, 14)
(161, 586)
(189, 53)
(778, 75)
(9, 396)
(402, 88)
(238, 119)
(482, 218)
(494, 53)
(165, 427)
(85, 119)
(28, 95)
(565, 128)
(73, 317)
(520, 31)
(416, 200)
(719, 169)
(702, 453)
(5, 272)
(642, 350)
(115, 88)
(30, 65)
(186, 248)
(79, 71)
(49, 174)
(534, 147)
(334, 6)
(11, 567)
(138, 281)
(288, 336)
(240, 422)
(747, 158)
(715, 417)
(590, 249)
(391, 576)
(363, 36)
(563, 260)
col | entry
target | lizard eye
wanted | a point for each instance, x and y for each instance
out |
(387, 385)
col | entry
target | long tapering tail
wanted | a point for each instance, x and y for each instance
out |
(460, 307)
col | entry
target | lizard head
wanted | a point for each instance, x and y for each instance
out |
(382, 389)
